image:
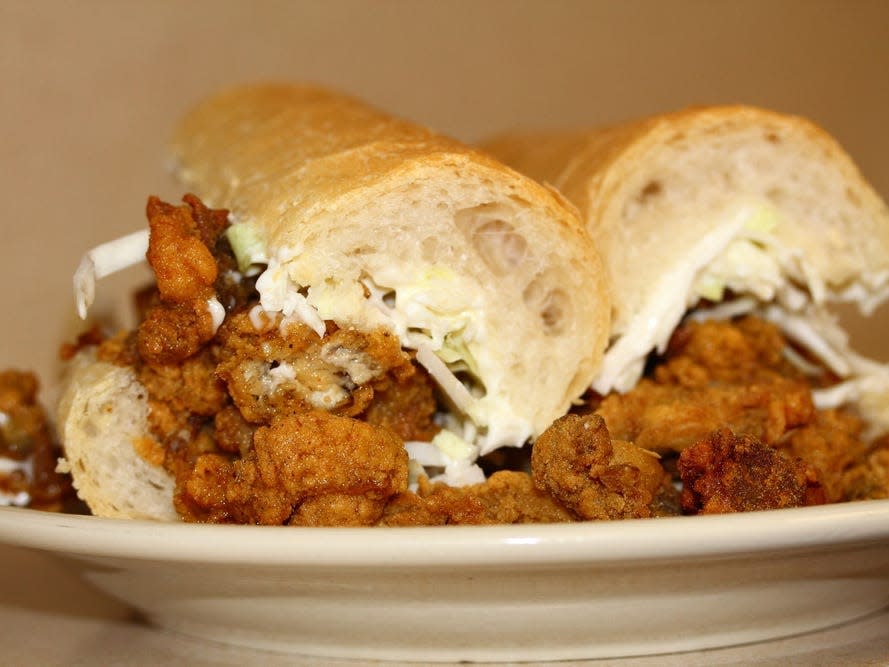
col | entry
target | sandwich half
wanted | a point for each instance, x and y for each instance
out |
(334, 268)
(725, 211)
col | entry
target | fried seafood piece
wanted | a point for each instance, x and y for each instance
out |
(576, 461)
(512, 497)
(833, 444)
(869, 477)
(506, 496)
(312, 468)
(404, 402)
(716, 374)
(671, 417)
(269, 372)
(180, 251)
(28, 450)
(434, 505)
(745, 350)
(737, 473)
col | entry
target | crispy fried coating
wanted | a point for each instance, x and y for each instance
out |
(869, 477)
(717, 374)
(512, 497)
(180, 248)
(670, 418)
(234, 434)
(345, 469)
(338, 509)
(729, 352)
(405, 404)
(269, 373)
(507, 496)
(23, 424)
(737, 375)
(576, 461)
(174, 332)
(833, 444)
(434, 505)
(737, 473)
(180, 253)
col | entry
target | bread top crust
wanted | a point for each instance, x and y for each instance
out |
(833, 216)
(344, 194)
(277, 153)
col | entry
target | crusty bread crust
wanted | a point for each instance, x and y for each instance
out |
(341, 191)
(645, 189)
(103, 418)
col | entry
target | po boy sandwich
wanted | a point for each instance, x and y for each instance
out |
(727, 232)
(345, 300)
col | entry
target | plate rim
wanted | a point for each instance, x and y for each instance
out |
(624, 541)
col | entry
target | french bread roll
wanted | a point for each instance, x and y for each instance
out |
(695, 206)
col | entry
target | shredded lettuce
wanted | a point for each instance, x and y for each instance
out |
(449, 453)
(248, 246)
(456, 391)
(865, 383)
(664, 305)
(104, 260)
(742, 254)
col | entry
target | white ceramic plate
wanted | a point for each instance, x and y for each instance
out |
(540, 592)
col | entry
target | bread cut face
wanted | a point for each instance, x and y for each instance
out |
(707, 202)
(103, 423)
(353, 216)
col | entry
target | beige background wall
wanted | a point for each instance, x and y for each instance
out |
(90, 90)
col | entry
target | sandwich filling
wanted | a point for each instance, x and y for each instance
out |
(743, 266)
(262, 416)
(429, 314)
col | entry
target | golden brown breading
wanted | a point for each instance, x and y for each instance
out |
(313, 456)
(832, 444)
(405, 404)
(269, 373)
(869, 477)
(738, 473)
(233, 433)
(730, 352)
(715, 374)
(180, 253)
(512, 497)
(576, 461)
(434, 505)
(505, 497)
(669, 417)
